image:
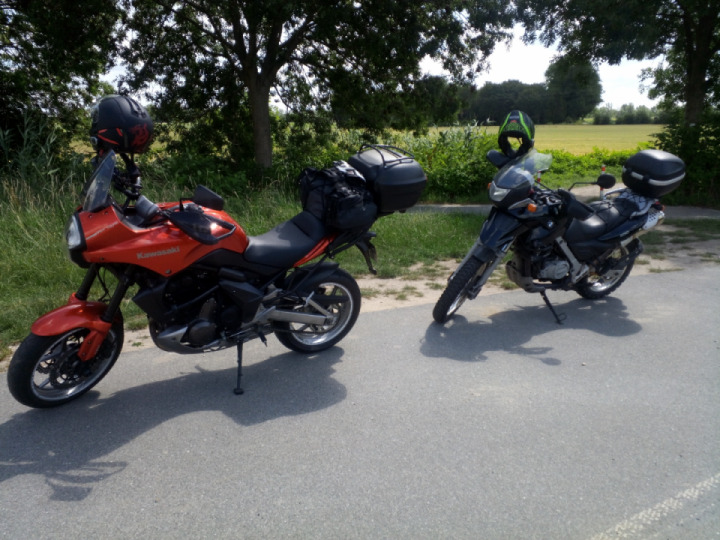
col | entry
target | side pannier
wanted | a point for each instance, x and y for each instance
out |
(396, 179)
(337, 196)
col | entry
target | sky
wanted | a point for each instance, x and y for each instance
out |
(528, 63)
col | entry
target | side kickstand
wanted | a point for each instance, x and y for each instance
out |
(559, 318)
(238, 389)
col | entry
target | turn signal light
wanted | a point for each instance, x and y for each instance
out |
(532, 207)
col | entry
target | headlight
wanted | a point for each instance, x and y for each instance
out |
(73, 234)
(497, 194)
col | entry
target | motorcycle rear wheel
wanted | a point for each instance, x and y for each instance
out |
(596, 286)
(45, 371)
(339, 295)
(456, 292)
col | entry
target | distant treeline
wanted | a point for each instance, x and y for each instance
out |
(548, 103)
(630, 114)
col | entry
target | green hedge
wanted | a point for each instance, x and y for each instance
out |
(453, 159)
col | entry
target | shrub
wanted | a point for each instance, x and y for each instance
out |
(568, 168)
(454, 161)
(698, 147)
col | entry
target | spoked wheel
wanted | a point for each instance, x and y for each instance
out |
(458, 288)
(338, 298)
(46, 371)
(597, 286)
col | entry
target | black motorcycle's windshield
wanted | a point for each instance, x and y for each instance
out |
(98, 189)
(521, 171)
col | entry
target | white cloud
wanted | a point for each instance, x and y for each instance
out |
(528, 63)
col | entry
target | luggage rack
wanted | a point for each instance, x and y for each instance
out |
(401, 156)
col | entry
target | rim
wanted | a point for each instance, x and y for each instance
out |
(339, 311)
(600, 283)
(459, 301)
(59, 373)
(463, 295)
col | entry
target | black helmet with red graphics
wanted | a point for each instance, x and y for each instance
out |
(121, 124)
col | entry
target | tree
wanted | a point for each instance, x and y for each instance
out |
(436, 100)
(627, 115)
(429, 100)
(230, 54)
(573, 88)
(668, 80)
(687, 32)
(493, 101)
(602, 116)
(51, 57)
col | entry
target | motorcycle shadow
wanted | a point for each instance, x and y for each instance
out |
(66, 445)
(510, 329)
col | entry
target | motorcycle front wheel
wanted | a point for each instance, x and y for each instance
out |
(461, 283)
(45, 371)
(338, 297)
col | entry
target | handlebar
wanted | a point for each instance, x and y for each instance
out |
(556, 202)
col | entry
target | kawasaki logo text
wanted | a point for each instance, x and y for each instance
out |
(158, 253)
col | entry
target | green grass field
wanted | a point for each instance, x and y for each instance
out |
(581, 139)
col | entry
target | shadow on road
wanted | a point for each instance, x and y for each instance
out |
(509, 330)
(65, 444)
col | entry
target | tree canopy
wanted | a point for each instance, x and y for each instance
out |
(574, 89)
(228, 55)
(51, 56)
(686, 32)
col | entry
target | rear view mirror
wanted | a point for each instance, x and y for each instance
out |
(605, 181)
(208, 198)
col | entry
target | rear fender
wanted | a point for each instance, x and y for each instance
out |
(76, 314)
(299, 282)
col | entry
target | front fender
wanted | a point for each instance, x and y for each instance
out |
(75, 314)
(500, 229)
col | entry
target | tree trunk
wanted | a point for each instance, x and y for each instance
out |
(699, 50)
(259, 96)
(697, 67)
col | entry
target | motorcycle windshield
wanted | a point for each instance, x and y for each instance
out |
(98, 189)
(521, 171)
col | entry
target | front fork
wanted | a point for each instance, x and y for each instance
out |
(496, 236)
(97, 317)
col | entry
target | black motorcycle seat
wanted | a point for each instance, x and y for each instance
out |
(287, 242)
(607, 215)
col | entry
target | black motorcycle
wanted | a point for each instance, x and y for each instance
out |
(558, 242)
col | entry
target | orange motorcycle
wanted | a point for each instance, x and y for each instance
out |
(204, 284)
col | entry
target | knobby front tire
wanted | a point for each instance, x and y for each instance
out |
(457, 289)
(45, 371)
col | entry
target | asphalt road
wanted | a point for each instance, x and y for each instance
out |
(502, 424)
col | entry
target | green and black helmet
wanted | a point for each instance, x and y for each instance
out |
(517, 125)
